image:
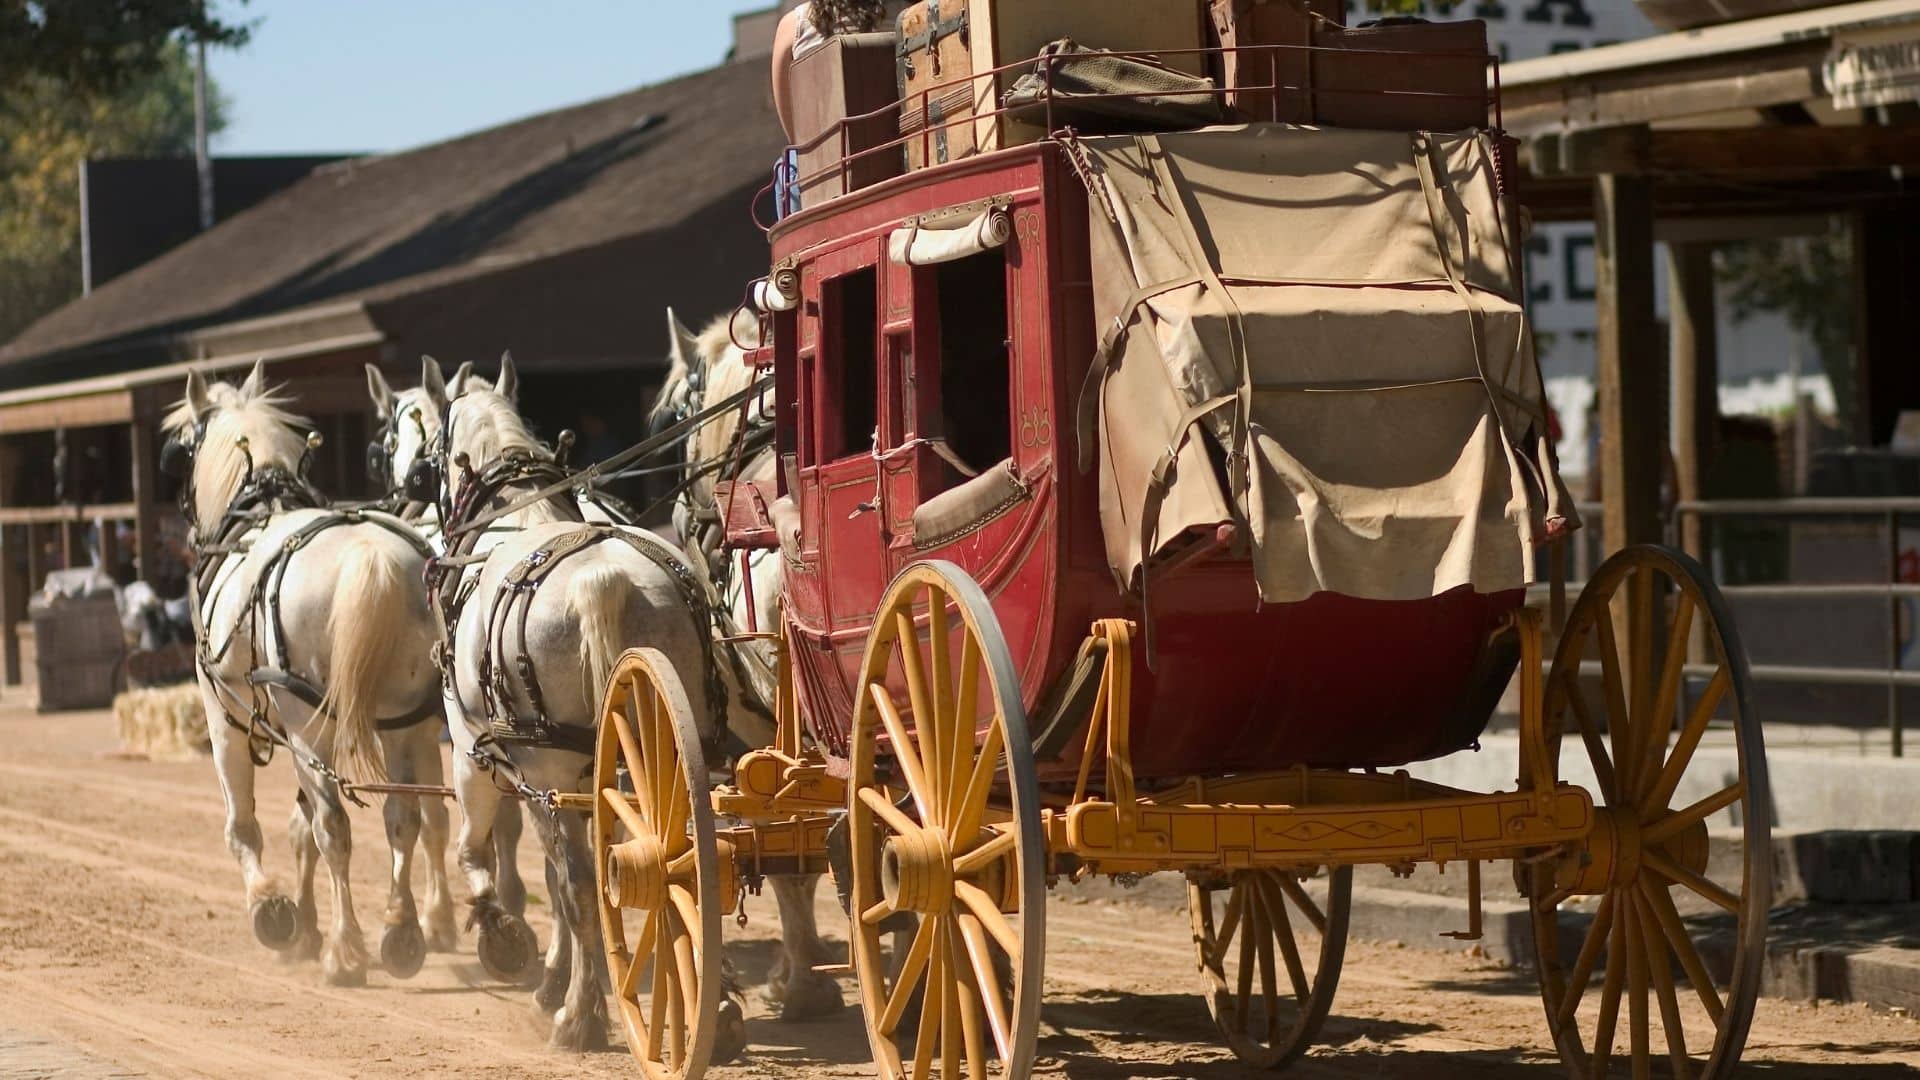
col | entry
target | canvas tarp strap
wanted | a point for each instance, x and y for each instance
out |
(1087, 412)
(1197, 257)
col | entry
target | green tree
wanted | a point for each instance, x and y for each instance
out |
(95, 46)
(47, 128)
(1807, 279)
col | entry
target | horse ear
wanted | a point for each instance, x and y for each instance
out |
(381, 393)
(197, 402)
(457, 385)
(433, 384)
(256, 379)
(508, 385)
(683, 345)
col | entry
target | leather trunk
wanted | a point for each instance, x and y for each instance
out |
(934, 58)
(1269, 84)
(850, 76)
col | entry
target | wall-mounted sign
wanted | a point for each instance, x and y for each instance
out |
(1874, 67)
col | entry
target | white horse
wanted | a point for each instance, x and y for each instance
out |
(407, 426)
(711, 367)
(315, 634)
(593, 602)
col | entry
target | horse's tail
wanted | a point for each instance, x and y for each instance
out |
(364, 629)
(597, 596)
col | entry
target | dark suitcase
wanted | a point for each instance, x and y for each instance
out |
(1402, 76)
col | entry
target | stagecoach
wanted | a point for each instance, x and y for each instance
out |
(1144, 500)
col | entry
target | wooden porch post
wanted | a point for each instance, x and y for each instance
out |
(1696, 379)
(13, 587)
(1633, 394)
(146, 485)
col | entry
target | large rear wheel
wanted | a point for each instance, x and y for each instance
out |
(1677, 930)
(944, 820)
(658, 869)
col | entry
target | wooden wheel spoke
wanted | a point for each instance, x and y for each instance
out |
(971, 1004)
(661, 959)
(622, 809)
(930, 1006)
(1659, 719)
(1653, 860)
(1590, 736)
(947, 734)
(1282, 928)
(1229, 922)
(1691, 732)
(1639, 653)
(1669, 826)
(1304, 902)
(1583, 963)
(684, 865)
(989, 915)
(878, 913)
(888, 813)
(1256, 928)
(910, 968)
(630, 753)
(1616, 977)
(986, 854)
(974, 937)
(688, 909)
(950, 1033)
(673, 825)
(1639, 1034)
(966, 721)
(637, 958)
(973, 803)
(1660, 903)
(1615, 690)
(1661, 969)
(667, 755)
(686, 992)
(926, 721)
(1269, 995)
(904, 752)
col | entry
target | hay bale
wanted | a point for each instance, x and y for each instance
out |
(163, 723)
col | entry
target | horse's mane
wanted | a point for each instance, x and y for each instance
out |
(488, 426)
(219, 465)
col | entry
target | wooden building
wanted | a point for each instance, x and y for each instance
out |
(562, 237)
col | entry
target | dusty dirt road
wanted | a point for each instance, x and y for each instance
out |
(124, 951)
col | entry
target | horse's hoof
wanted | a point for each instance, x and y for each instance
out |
(586, 1034)
(552, 992)
(729, 1032)
(276, 922)
(809, 996)
(354, 977)
(344, 966)
(507, 947)
(403, 949)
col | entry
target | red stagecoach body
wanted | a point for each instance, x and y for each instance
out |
(1233, 685)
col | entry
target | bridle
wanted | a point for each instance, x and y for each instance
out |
(381, 450)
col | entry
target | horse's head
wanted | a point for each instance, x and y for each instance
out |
(220, 436)
(408, 423)
(707, 367)
(480, 425)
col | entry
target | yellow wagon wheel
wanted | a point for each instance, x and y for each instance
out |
(1239, 924)
(1678, 934)
(945, 829)
(657, 868)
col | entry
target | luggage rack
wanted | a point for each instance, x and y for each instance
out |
(1276, 92)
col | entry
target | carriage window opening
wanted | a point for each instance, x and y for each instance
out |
(975, 368)
(850, 347)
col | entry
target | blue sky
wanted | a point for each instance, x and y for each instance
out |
(349, 75)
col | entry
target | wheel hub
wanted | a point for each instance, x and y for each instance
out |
(637, 874)
(916, 872)
(1611, 856)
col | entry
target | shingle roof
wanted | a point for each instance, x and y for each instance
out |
(387, 229)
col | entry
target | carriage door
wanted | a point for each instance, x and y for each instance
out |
(847, 419)
(962, 374)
